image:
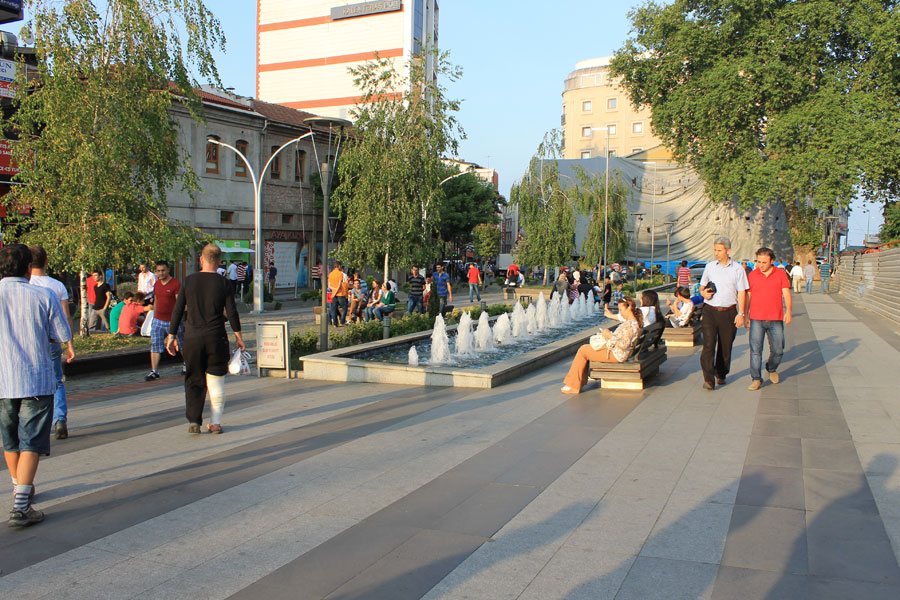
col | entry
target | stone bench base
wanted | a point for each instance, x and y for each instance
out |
(629, 375)
(683, 337)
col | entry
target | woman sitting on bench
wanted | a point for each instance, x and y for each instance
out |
(606, 346)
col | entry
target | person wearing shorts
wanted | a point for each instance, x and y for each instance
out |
(165, 291)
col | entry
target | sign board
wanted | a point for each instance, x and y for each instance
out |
(10, 10)
(7, 78)
(7, 164)
(273, 347)
(363, 9)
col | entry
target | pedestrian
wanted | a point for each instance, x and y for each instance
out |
(444, 290)
(272, 274)
(825, 276)
(796, 276)
(102, 301)
(809, 273)
(31, 320)
(488, 274)
(416, 291)
(337, 286)
(684, 275)
(475, 280)
(165, 292)
(769, 310)
(241, 286)
(724, 287)
(145, 282)
(231, 274)
(40, 278)
(205, 348)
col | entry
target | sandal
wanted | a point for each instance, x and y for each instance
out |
(214, 428)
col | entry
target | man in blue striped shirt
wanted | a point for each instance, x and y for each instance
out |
(31, 319)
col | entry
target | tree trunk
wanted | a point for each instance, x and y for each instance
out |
(83, 326)
(546, 272)
(386, 256)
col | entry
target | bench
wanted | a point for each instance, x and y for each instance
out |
(647, 353)
(688, 336)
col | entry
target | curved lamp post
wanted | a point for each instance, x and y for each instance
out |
(257, 214)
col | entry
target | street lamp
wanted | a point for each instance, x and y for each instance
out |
(638, 217)
(652, 215)
(325, 174)
(257, 214)
(669, 226)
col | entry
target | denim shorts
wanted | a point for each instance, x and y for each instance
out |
(25, 424)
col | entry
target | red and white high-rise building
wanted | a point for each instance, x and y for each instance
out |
(305, 47)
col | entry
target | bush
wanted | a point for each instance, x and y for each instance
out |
(267, 295)
(311, 295)
(128, 286)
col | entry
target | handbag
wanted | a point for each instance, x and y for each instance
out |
(598, 342)
(147, 327)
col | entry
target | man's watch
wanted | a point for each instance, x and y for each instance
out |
(740, 314)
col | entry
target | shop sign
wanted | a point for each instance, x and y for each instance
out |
(365, 8)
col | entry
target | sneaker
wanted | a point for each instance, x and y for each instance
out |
(709, 385)
(720, 380)
(754, 385)
(62, 431)
(151, 376)
(194, 428)
(24, 518)
(774, 378)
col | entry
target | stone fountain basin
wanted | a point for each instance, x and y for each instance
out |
(341, 364)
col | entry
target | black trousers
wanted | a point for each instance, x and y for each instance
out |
(202, 354)
(718, 337)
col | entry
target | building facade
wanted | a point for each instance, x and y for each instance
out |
(305, 47)
(592, 103)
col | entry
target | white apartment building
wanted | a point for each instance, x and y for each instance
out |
(305, 47)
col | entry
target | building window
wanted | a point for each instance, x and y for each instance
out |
(212, 155)
(612, 103)
(637, 127)
(586, 106)
(226, 217)
(586, 131)
(300, 166)
(240, 169)
(287, 219)
(612, 153)
(612, 129)
(586, 154)
(276, 164)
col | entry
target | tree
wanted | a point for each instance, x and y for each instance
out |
(546, 212)
(390, 171)
(589, 193)
(96, 145)
(773, 99)
(487, 240)
(890, 229)
(468, 201)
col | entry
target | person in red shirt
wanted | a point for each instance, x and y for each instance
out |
(769, 301)
(128, 318)
(474, 276)
(165, 292)
(684, 275)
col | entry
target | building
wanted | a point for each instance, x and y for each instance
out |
(486, 174)
(305, 47)
(592, 102)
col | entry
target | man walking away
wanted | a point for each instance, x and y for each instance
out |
(825, 276)
(102, 300)
(768, 316)
(809, 273)
(684, 275)
(475, 281)
(272, 274)
(207, 300)
(337, 286)
(416, 291)
(40, 278)
(796, 276)
(231, 273)
(165, 292)
(31, 320)
(723, 313)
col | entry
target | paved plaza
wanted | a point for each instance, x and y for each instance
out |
(369, 491)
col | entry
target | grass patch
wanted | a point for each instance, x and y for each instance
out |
(106, 342)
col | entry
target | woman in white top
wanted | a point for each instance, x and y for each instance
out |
(649, 309)
(682, 308)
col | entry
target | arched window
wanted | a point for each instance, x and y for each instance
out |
(212, 155)
(240, 169)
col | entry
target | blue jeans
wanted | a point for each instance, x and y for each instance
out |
(380, 311)
(809, 284)
(473, 288)
(60, 406)
(413, 302)
(758, 330)
(826, 285)
(338, 312)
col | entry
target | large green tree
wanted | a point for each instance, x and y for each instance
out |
(546, 210)
(487, 240)
(468, 201)
(787, 99)
(606, 220)
(890, 229)
(97, 146)
(390, 195)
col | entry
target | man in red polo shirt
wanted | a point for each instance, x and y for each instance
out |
(769, 301)
(165, 291)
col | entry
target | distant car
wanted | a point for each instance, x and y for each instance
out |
(697, 270)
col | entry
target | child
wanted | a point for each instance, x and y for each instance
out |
(681, 308)
(128, 320)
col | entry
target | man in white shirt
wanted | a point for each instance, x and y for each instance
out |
(723, 312)
(797, 276)
(146, 280)
(39, 277)
(231, 274)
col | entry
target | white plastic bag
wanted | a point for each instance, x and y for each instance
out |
(239, 363)
(147, 327)
(598, 342)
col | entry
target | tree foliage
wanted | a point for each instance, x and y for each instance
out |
(546, 212)
(390, 195)
(97, 147)
(590, 196)
(468, 201)
(890, 229)
(772, 99)
(806, 232)
(487, 240)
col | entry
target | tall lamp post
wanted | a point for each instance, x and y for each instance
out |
(652, 215)
(669, 226)
(257, 214)
(638, 217)
(325, 173)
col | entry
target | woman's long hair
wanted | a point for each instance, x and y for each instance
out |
(638, 316)
(651, 298)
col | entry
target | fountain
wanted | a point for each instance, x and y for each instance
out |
(465, 343)
(518, 321)
(440, 343)
(484, 339)
(553, 314)
(413, 356)
(502, 331)
(542, 317)
(531, 320)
